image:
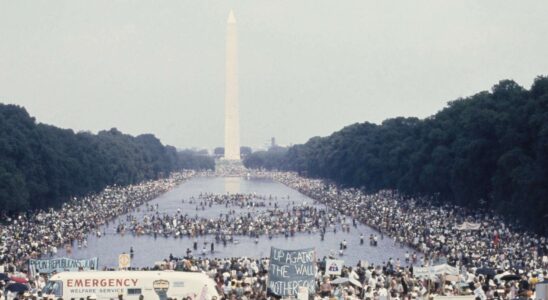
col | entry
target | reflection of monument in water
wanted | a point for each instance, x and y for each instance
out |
(232, 185)
(231, 164)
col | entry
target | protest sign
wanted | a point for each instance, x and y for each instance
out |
(62, 264)
(124, 261)
(432, 271)
(333, 266)
(291, 269)
(468, 226)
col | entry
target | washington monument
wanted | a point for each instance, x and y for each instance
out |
(232, 115)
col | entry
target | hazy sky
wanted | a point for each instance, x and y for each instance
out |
(306, 68)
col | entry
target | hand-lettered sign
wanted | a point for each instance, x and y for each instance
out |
(62, 264)
(291, 269)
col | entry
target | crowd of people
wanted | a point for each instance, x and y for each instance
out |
(272, 220)
(471, 240)
(480, 245)
(433, 230)
(41, 233)
(247, 278)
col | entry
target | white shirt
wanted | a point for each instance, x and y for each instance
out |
(480, 293)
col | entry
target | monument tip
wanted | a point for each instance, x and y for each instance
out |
(231, 18)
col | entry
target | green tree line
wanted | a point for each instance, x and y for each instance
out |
(43, 166)
(487, 151)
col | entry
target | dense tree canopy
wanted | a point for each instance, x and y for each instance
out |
(487, 151)
(42, 166)
(195, 160)
(270, 160)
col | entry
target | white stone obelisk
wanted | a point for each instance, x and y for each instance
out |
(232, 115)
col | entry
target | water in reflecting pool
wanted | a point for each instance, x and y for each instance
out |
(148, 249)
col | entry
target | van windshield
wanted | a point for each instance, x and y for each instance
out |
(54, 287)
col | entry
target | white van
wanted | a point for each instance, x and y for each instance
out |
(130, 284)
(469, 297)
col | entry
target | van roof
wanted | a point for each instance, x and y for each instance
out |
(121, 274)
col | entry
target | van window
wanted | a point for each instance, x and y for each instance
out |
(54, 287)
(133, 292)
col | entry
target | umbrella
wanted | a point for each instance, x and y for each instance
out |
(499, 276)
(4, 277)
(17, 287)
(356, 282)
(19, 279)
(510, 277)
(486, 271)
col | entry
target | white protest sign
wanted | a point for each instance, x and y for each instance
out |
(333, 266)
